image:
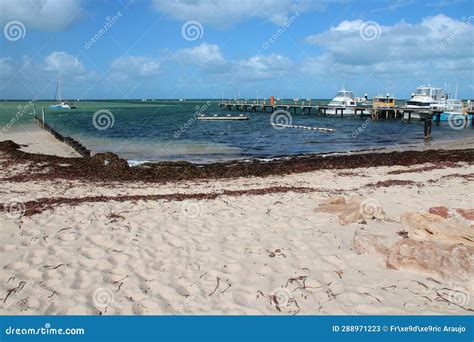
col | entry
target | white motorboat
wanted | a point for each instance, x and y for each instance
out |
(426, 97)
(344, 102)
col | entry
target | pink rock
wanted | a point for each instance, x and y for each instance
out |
(369, 244)
(440, 211)
(352, 210)
(430, 227)
(451, 262)
(468, 214)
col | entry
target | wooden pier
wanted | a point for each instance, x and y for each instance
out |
(381, 113)
(307, 109)
(268, 108)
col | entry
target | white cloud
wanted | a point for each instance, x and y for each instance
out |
(206, 56)
(26, 78)
(437, 41)
(225, 13)
(64, 63)
(264, 67)
(57, 62)
(436, 50)
(209, 58)
(134, 66)
(48, 15)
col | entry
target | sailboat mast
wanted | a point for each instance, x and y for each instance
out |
(58, 96)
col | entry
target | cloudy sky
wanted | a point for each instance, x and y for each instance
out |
(213, 48)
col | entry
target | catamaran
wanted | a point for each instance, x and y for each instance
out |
(61, 104)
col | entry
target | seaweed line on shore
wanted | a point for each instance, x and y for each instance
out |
(109, 167)
(42, 204)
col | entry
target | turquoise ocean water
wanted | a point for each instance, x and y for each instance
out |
(167, 130)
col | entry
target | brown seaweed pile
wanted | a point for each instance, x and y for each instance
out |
(109, 167)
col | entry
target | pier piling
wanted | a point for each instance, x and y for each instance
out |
(427, 128)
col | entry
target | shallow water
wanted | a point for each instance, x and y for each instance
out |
(166, 130)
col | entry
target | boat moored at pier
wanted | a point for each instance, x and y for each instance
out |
(425, 98)
(454, 110)
(343, 104)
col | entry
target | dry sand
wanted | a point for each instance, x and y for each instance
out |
(249, 254)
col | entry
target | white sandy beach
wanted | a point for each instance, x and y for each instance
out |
(249, 254)
(173, 164)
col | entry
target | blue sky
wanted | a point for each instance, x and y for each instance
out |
(274, 47)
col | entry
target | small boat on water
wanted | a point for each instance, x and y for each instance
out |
(345, 101)
(222, 117)
(61, 104)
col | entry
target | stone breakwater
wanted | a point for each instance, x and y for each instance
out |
(77, 146)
